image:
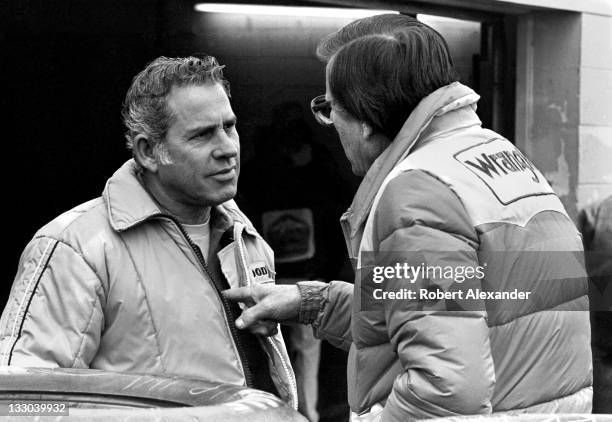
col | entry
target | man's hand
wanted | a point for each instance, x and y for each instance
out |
(265, 302)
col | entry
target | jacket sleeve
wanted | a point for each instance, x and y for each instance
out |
(444, 351)
(53, 317)
(333, 322)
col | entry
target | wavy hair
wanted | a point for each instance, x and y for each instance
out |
(145, 108)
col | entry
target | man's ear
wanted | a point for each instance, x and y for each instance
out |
(144, 153)
(374, 139)
(367, 131)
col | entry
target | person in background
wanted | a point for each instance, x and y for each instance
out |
(595, 223)
(131, 281)
(290, 191)
(439, 191)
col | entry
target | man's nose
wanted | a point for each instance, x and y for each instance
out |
(227, 147)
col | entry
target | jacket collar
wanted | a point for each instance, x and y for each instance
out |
(129, 204)
(431, 117)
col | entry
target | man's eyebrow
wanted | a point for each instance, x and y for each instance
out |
(230, 120)
(200, 129)
(206, 128)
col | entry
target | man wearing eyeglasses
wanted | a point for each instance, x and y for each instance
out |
(439, 194)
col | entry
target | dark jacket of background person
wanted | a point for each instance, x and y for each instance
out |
(520, 356)
(115, 284)
(595, 223)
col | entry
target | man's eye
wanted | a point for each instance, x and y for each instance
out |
(230, 127)
(204, 134)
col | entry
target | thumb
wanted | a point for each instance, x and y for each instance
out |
(253, 315)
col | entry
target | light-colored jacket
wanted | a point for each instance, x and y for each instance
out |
(445, 184)
(116, 284)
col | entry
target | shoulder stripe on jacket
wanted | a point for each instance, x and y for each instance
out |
(28, 293)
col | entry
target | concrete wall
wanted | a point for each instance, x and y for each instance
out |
(564, 102)
(595, 123)
(548, 102)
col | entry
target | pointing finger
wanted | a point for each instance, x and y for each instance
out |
(239, 294)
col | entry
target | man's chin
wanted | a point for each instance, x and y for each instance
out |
(225, 194)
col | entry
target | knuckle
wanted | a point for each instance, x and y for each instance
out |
(265, 307)
(255, 292)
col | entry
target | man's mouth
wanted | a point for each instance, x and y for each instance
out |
(225, 174)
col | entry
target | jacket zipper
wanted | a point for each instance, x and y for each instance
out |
(226, 307)
(292, 381)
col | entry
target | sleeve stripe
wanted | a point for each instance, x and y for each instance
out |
(28, 293)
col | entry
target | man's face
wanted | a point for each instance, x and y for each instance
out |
(202, 146)
(350, 131)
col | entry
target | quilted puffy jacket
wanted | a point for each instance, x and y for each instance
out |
(116, 284)
(446, 184)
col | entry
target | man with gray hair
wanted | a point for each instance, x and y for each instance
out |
(131, 281)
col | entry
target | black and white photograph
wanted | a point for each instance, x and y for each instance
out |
(307, 211)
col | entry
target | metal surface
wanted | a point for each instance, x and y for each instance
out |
(109, 396)
(526, 417)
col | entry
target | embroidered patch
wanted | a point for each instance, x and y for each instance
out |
(260, 272)
(505, 170)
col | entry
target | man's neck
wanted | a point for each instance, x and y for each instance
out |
(183, 213)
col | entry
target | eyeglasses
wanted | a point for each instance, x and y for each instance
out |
(321, 109)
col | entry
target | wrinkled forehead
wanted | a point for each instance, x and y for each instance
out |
(190, 97)
(198, 105)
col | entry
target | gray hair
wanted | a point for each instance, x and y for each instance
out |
(145, 109)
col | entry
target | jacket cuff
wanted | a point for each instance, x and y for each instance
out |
(312, 300)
